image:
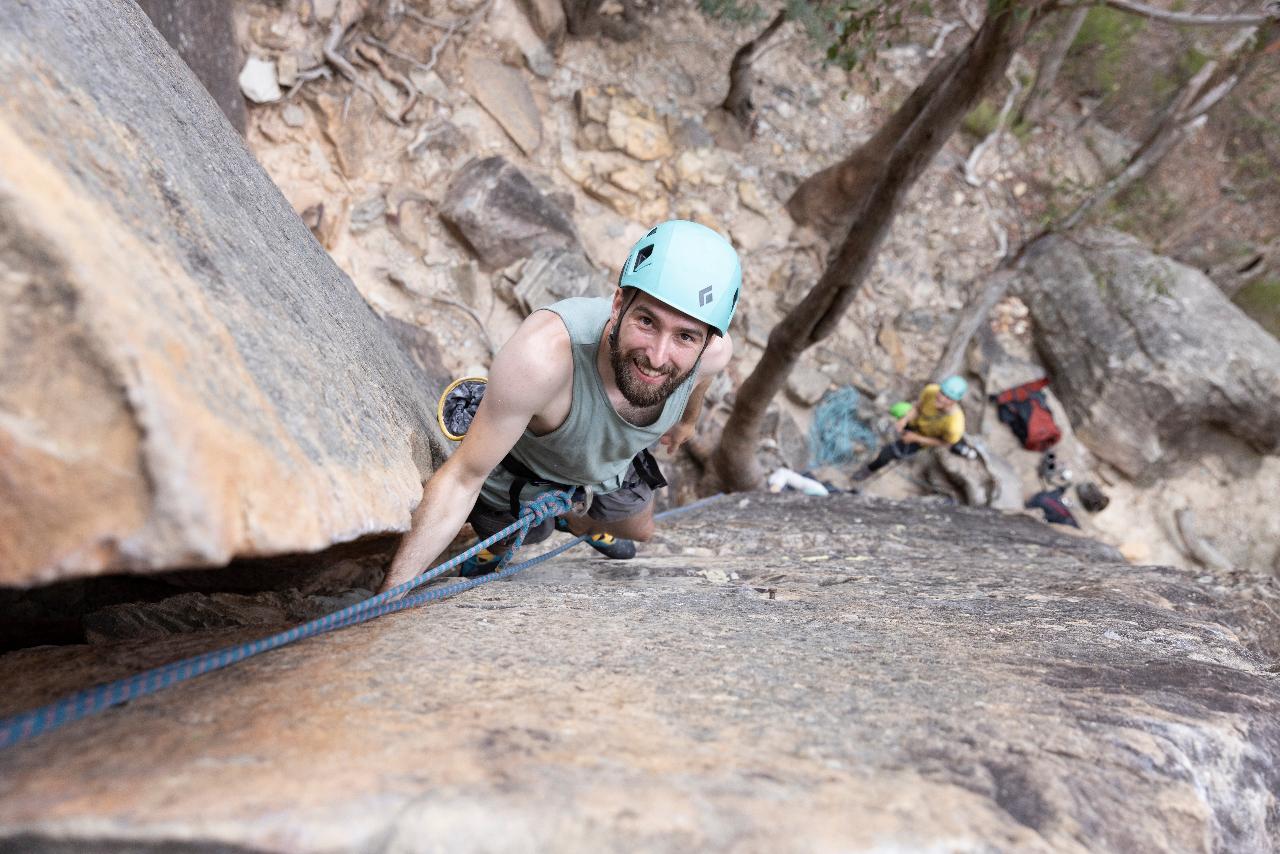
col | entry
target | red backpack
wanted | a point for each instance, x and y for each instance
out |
(1026, 411)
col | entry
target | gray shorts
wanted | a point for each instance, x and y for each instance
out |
(624, 502)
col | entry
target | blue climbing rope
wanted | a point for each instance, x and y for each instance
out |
(82, 704)
(839, 434)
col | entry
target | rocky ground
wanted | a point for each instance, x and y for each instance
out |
(775, 672)
(374, 192)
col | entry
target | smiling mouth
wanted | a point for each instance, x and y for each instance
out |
(649, 376)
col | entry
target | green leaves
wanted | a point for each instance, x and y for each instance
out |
(852, 32)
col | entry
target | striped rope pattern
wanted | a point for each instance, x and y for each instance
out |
(82, 704)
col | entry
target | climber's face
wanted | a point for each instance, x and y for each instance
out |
(656, 349)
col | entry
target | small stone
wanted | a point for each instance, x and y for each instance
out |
(633, 179)
(668, 176)
(750, 196)
(1136, 552)
(639, 137)
(689, 168)
(807, 385)
(957, 198)
(287, 69)
(294, 116)
(751, 231)
(1019, 190)
(258, 81)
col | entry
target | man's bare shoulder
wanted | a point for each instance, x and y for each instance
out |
(537, 359)
(717, 356)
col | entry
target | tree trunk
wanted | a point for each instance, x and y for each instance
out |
(937, 108)
(827, 200)
(738, 102)
(1037, 102)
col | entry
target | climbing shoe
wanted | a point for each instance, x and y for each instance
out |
(482, 562)
(607, 544)
(612, 547)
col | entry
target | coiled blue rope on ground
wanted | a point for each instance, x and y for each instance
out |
(82, 704)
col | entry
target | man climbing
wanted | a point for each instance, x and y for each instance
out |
(935, 421)
(577, 395)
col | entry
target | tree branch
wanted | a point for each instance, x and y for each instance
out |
(1134, 8)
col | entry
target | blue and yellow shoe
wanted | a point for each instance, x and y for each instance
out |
(482, 562)
(607, 544)
(612, 547)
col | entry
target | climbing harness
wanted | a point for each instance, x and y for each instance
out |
(82, 704)
(457, 408)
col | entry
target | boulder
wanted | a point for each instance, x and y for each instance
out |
(203, 35)
(187, 376)
(772, 673)
(1147, 354)
(501, 215)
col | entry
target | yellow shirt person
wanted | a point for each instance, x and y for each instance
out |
(935, 423)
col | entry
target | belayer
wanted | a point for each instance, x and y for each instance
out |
(577, 395)
(935, 421)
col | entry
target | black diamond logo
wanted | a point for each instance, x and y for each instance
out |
(704, 296)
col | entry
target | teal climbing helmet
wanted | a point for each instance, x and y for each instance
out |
(689, 267)
(955, 387)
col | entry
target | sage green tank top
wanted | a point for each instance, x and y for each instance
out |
(595, 445)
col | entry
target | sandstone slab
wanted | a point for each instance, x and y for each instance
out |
(187, 376)
(772, 673)
(1148, 355)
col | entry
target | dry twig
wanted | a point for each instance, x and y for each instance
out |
(484, 333)
(370, 54)
(337, 32)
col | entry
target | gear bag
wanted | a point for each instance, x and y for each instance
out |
(1054, 508)
(1026, 411)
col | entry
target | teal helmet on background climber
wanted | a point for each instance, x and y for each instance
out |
(689, 267)
(955, 387)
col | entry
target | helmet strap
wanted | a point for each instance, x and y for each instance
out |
(626, 304)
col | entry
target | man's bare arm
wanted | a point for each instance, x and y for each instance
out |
(527, 372)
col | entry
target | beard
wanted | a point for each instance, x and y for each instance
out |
(636, 391)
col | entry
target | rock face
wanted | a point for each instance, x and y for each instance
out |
(502, 215)
(186, 375)
(1147, 354)
(203, 36)
(773, 673)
